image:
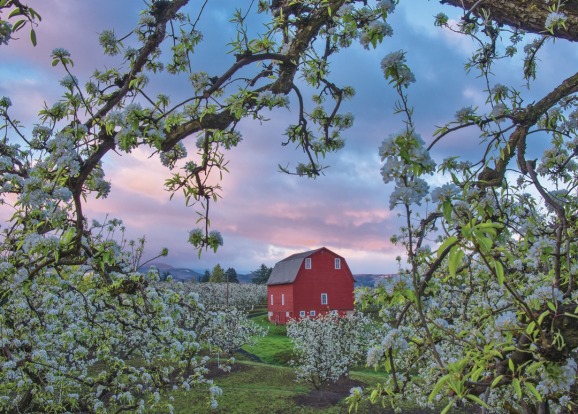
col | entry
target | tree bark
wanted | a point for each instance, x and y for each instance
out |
(528, 15)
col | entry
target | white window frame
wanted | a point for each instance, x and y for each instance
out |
(302, 314)
(311, 313)
(272, 301)
(337, 263)
(324, 296)
(283, 299)
(308, 263)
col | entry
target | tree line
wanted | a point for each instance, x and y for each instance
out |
(485, 309)
(219, 275)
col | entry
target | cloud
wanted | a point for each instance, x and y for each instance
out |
(265, 215)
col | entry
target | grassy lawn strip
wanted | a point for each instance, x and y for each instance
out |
(251, 388)
(270, 387)
(275, 348)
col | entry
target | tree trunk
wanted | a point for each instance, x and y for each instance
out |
(529, 15)
(543, 408)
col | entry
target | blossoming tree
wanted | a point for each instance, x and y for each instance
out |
(487, 314)
(486, 311)
(328, 346)
(80, 328)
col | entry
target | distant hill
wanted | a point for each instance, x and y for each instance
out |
(369, 280)
(177, 273)
(186, 275)
(245, 278)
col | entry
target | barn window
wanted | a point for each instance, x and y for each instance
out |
(272, 299)
(302, 314)
(311, 313)
(337, 263)
(324, 298)
(282, 298)
(308, 263)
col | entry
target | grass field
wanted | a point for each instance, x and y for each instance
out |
(275, 348)
(269, 386)
(260, 388)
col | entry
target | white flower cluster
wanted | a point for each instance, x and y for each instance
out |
(169, 158)
(393, 66)
(326, 347)
(374, 30)
(75, 334)
(444, 193)
(555, 19)
(214, 295)
(406, 160)
(5, 32)
(557, 379)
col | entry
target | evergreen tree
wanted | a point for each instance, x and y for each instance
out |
(231, 275)
(206, 276)
(261, 275)
(218, 274)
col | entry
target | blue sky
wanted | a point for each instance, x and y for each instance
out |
(265, 215)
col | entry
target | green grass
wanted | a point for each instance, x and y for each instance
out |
(258, 388)
(255, 389)
(275, 348)
(270, 387)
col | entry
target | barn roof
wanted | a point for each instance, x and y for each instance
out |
(286, 270)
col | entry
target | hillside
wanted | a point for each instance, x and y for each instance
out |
(177, 273)
(186, 275)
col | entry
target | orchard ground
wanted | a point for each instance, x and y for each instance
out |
(262, 381)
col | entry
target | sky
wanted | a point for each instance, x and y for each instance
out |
(265, 215)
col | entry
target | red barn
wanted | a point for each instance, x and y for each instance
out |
(309, 284)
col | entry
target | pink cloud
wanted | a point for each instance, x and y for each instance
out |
(264, 215)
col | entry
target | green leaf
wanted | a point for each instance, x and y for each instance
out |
(499, 272)
(67, 236)
(511, 365)
(516, 384)
(15, 12)
(530, 328)
(447, 210)
(489, 225)
(34, 14)
(542, 316)
(477, 400)
(485, 242)
(448, 407)
(530, 387)
(440, 130)
(438, 387)
(532, 368)
(33, 37)
(455, 258)
(476, 373)
(18, 25)
(448, 242)
(496, 381)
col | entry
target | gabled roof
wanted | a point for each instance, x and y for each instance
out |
(286, 270)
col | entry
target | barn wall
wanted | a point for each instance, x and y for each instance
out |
(324, 278)
(280, 311)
